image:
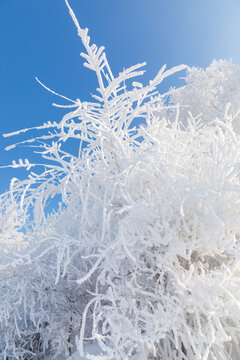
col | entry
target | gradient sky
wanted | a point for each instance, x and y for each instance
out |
(38, 38)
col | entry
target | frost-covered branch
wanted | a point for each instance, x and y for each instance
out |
(130, 239)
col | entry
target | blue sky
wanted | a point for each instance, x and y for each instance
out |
(38, 38)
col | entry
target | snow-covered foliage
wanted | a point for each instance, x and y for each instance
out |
(208, 91)
(141, 254)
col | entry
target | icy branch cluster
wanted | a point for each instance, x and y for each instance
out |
(141, 254)
(208, 91)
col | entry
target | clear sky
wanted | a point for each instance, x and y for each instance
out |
(38, 38)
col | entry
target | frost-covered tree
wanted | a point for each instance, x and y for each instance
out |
(141, 254)
(208, 91)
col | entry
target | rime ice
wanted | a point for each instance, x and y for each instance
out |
(141, 254)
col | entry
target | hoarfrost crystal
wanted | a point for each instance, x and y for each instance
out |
(142, 254)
